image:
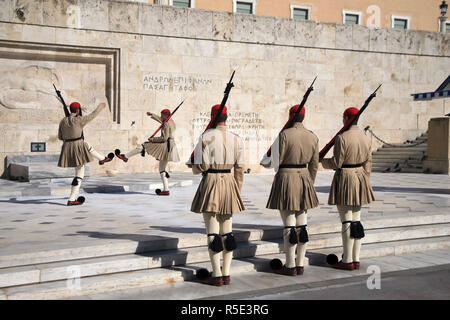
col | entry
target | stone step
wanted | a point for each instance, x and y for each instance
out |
(387, 157)
(123, 263)
(401, 148)
(390, 248)
(159, 243)
(41, 170)
(65, 289)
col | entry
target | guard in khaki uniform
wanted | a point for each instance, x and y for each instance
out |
(218, 194)
(76, 152)
(350, 189)
(162, 148)
(293, 190)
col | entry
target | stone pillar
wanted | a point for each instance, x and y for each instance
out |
(438, 160)
(442, 19)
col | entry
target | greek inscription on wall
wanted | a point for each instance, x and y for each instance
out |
(176, 82)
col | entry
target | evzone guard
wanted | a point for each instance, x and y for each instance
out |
(162, 148)
(293, 192)
(295, 158)
(350, 188)
(75, 152)
(218, 195)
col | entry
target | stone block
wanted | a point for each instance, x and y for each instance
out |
(63, 13)
(18, 276)
(24, 11)
(243, 28)
(174, 21)
(222, 25)
(396, 40)
(378, 39)
(38, 34)
(169, 63)
(325, 35)
(72, 37)
(150, 19)
(94, 14)
(360, 37)
(205, 66)
(284, 32)
(438, 151)
(200, 24)
(6, 12)
(304, 33)
(10, 31)
(263, 29)
(445, 45)
(123, 17)
(432, 43)
(414, 41)
(344, 36)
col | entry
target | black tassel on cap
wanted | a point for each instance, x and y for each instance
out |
(230, 241)
(216, 245)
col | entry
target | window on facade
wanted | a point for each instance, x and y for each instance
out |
(400, 23)
(351, 18)
(447, 27)
(182, 3)
(300, 14)
(244, 7)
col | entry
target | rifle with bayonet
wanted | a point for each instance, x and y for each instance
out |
(299, 109)
(58, 93)
(167, 119)
(349, 123)
(215, 120)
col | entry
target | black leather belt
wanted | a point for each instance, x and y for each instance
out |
(216, 171)
(292, 166)
(352, 165)
(70, 140)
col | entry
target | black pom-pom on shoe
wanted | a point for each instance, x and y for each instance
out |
(332, 259)
(81, 199)
(276, 264)
(202, 274)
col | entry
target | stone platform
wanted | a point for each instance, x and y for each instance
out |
(135, 239)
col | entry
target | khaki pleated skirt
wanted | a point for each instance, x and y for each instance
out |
(350, 187)
(292, 189)
(218, 193)
(74, 154)
(163, 151)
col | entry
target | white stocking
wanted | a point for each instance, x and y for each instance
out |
(212, 226)
(226, 226)
(301, 220)
(288, 218)
(345, 213)
(79, 172)
(134, 152)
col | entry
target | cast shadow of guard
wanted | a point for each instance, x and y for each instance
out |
(35, 201)
(162, 250)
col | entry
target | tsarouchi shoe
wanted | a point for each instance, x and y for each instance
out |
(74, 203)
(356, 265)
(287, 271)
(343, 266)
(300, 270)
(107, 159)
(213, 281)
(226, 280)
(162, 193)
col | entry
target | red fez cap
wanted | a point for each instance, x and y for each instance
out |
(350, 112)
(294, 109)
(215, 110)
(75, 105)
(165, 111)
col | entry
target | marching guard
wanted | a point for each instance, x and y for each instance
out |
(293, 190)
(218, 195)
(350, 189)
(76, 152)
(162, 148)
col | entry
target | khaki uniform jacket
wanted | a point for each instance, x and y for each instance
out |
(293, 188)
(219, 192)
(75, 153)
(163, 147)
(351, 186)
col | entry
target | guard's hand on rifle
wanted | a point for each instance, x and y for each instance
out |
(150, 139)
(149, 114)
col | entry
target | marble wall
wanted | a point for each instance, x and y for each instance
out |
(168, 54)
